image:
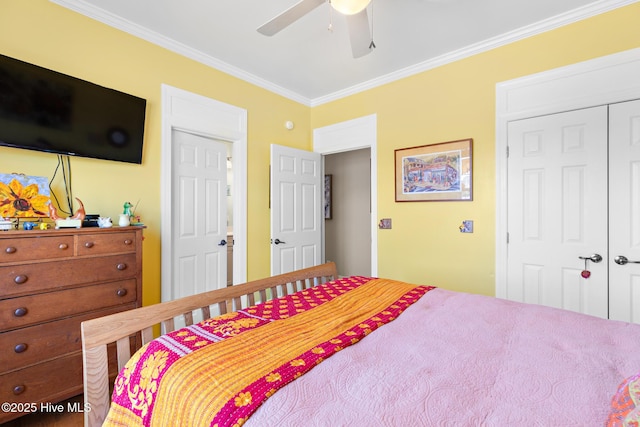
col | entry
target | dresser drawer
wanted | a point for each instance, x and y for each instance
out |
(39, 247)
(30, 278)
(28, 310)
(47, 382)
(27, 346)
(103, 243)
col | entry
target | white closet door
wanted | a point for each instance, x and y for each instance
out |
(557, 210)
(624, 190)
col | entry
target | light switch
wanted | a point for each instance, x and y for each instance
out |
(467, 226)
(385, 224)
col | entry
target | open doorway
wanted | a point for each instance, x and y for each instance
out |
(344, 137)
(229, 199)
(347, 227)
(186, 113)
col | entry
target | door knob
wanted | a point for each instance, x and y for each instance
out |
(222, 242)
(278, 241)
(622, 260)
(593, 258)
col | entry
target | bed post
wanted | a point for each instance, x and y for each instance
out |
(96, 384)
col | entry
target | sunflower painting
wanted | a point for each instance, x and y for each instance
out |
(23, 196)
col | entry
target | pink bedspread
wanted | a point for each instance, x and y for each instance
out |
(455, 359)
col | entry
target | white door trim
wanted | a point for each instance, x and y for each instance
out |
(204, 116)
(353, 135)
(604, 80)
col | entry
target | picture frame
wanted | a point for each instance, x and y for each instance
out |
(435, 172)
(24, 196)
(328, 208)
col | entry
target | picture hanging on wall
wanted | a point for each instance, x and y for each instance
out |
(436, 172)
(328, 209)
(23, 196)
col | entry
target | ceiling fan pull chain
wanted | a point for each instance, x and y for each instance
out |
(372, 45)
(330, 28)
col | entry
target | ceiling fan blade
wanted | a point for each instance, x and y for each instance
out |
(289, 16)
(359, 33)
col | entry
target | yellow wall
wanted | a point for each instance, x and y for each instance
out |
(453, 102)
(45, 34)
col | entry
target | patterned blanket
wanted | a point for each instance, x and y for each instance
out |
(218, 372)
(625, 404)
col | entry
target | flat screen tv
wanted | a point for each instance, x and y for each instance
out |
(44, 110)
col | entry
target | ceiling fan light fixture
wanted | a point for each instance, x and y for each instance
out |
(349, 7)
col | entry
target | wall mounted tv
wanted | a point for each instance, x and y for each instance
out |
(48, 111)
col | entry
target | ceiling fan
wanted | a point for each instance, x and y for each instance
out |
(354, 10)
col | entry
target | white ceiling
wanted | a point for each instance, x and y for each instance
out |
(309, 64)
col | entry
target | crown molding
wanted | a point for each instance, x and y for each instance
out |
(552, 23)
(540, 27)
(136, 30)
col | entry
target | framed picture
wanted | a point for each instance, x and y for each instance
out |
(23, 196)
(328, 211)
(436, 172)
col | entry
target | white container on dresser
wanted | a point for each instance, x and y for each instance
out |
(51, 281)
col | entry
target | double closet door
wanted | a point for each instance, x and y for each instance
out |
(574, 211)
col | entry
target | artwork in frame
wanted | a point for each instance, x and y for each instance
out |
(328, 211)
(23, 196)
(435, 172)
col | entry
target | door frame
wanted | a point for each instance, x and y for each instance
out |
(605, 80)
(347, 136)
(200, 115)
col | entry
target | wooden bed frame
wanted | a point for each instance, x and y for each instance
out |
(120, 327)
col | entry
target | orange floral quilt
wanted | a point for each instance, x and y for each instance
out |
(219, 371)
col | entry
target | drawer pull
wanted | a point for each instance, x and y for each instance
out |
(88, 245)
(19, 389)
(121, 292)
(63, 246)
(20, 279)
(20, 312)
(121, 266)
(128, 242)
(11, 250)
(20, 348)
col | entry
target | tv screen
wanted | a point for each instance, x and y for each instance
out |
(44, 110)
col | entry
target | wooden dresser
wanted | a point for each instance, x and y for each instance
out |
(51, 281)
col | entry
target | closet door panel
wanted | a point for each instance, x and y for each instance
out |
(624, 211)
(557, 210)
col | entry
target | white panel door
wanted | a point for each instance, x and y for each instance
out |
(624, 185)
(296, 209)
(557, 210)
(199, 217)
